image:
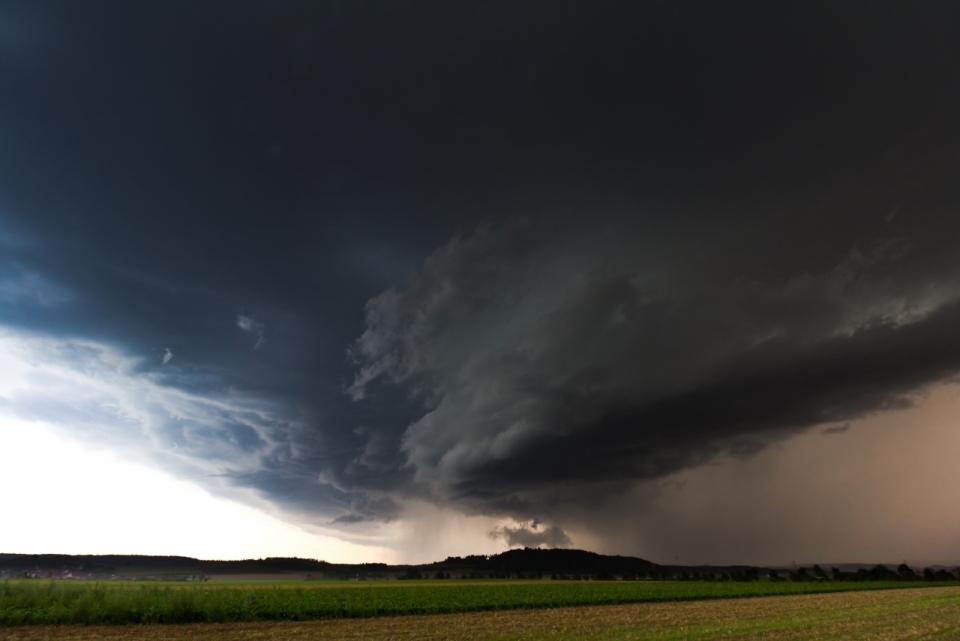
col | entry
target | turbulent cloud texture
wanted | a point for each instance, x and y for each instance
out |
(539, 392)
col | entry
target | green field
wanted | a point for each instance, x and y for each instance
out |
(929, 613)
(33, 602)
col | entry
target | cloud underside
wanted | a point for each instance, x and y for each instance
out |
(542, 382)
(540, 392)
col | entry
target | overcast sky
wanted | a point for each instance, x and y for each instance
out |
(396, 280)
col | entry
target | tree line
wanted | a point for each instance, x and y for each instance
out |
(816, 573)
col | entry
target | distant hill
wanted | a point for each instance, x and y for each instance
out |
(172, 567)
(545, 561)
(526, 562)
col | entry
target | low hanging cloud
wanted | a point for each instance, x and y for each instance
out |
(532, 535)
(540, 393)
(836, 429)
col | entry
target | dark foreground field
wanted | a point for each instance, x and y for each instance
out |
(914, 613)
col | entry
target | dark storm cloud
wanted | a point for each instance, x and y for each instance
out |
(677, 230)
(533, 380)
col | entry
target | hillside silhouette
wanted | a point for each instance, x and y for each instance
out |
(527, 561)
(517, 563)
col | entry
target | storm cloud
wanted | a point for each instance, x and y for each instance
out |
(531, 382)
(507, 261)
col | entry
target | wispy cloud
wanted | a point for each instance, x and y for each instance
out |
(252, 325)
(21, 286)
(167, 356)
(836, 429)
(103, 396)
(187, 422)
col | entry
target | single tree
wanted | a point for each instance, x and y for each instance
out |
(905, 573)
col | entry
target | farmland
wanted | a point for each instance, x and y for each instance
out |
(911, 613)
(35, 602)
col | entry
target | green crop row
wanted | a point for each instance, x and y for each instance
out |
(64, 602)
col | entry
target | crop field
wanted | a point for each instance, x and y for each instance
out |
(33, 602)
(887, 615)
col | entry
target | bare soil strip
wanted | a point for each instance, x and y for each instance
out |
(927, 613)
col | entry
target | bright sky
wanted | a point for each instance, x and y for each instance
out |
(61, 497)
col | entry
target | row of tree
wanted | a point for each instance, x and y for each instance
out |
(877, 573)
(816, 573)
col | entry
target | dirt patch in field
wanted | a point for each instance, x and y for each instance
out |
(928, 613)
